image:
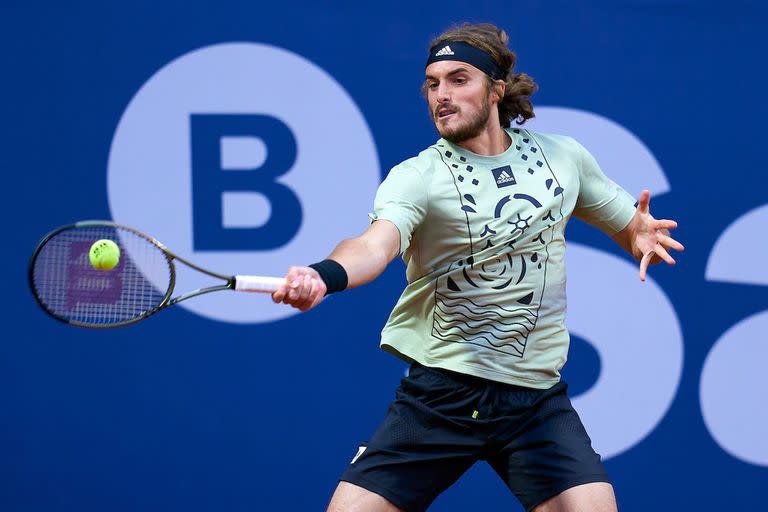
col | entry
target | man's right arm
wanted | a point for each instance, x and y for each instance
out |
(363, 258)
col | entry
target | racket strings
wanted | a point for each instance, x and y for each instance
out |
(69, 287)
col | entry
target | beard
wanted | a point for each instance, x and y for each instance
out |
(471, 128)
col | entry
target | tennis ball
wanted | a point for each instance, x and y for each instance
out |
(104, 254)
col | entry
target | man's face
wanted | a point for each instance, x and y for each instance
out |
(459, 99)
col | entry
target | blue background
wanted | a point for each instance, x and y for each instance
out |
(181, 412)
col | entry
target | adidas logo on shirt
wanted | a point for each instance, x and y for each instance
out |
(445, 50)
(504, 176)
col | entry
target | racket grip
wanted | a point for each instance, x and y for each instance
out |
(261, 284)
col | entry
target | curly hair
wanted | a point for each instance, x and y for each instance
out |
(516, 104)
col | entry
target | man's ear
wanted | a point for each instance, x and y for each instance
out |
(499, 87)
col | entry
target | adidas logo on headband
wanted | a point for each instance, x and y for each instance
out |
(465, 52)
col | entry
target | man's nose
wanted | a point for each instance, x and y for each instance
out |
(443, 94)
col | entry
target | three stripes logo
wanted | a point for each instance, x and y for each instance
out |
(445, 50)
(504, 176)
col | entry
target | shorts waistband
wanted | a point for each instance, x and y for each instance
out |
(472, 380)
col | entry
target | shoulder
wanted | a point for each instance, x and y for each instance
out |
(421, 166)
(422, 162)
(552, 141)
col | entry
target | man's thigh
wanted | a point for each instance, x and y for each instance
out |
(549, 454)
(352, 498)
(594, 497)
(425, 443)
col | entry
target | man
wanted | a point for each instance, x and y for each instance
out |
(479, 218)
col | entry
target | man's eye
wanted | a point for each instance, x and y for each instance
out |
(432, 85)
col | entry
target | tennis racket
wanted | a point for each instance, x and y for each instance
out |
(70, 289)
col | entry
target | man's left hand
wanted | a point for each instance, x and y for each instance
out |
(650, 237)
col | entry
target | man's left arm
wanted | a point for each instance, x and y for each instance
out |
(646, 238)
(606, 205)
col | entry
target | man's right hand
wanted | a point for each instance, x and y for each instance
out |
(363, 258)
(303, 289)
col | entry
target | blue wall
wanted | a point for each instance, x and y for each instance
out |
(196, 410)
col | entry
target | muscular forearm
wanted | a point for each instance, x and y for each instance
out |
(625, 238)
(361, 259)
(355, 261)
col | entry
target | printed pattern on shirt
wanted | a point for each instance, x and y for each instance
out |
(511, 213)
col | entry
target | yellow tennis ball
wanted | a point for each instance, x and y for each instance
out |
(104, 254)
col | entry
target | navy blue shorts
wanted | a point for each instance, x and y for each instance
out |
(442, 422)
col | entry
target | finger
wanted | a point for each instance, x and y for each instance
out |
(668, 241)
(306, 303)
(293, 282)
(300, 290)
(304, 289)
(644, 264)
(643, 203)
(664, 224)
(279, 294)
(290, 278)
(663, 254)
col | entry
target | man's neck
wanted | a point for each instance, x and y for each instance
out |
(492, 141)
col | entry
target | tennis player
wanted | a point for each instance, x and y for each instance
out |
(479, 218)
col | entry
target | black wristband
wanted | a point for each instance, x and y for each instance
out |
(333, 275)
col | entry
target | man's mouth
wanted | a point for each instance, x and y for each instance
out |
(445, 112)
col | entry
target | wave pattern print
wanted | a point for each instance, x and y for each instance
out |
(472, 304)
(458, 319)
(492, 297)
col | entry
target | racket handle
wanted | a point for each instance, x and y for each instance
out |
(261, 284)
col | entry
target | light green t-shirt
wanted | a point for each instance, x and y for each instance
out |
(483, 241)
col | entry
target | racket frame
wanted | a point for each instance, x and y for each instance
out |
(165, 302)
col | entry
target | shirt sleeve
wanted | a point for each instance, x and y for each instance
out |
(402, 200)
(601, 202)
